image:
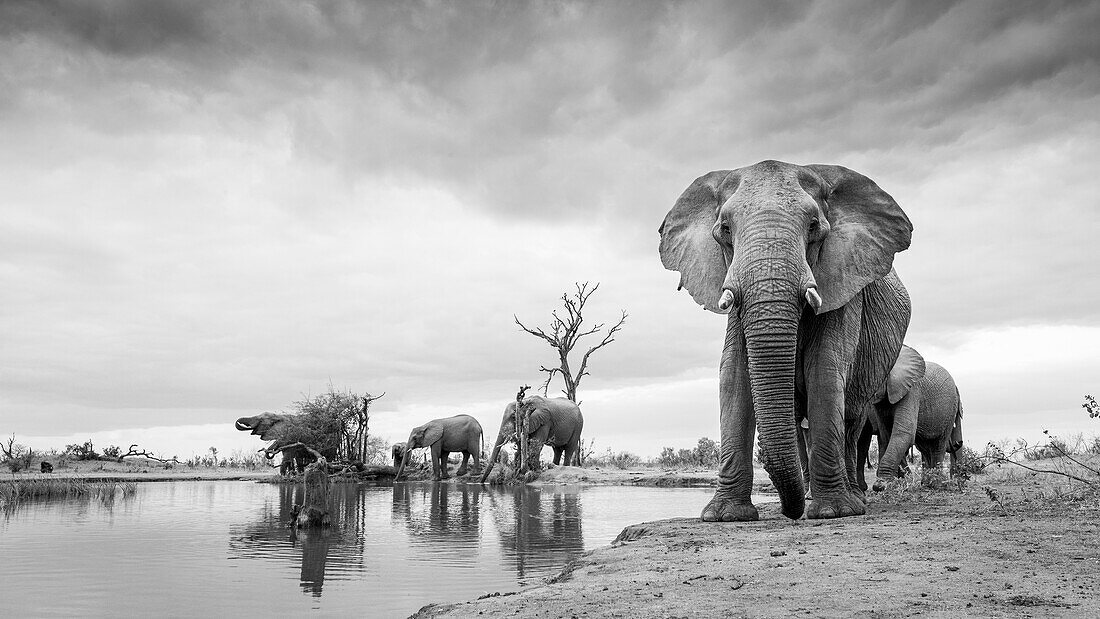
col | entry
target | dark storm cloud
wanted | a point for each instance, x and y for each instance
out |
(193, 180)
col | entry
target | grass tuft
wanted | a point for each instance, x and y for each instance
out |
(15, 491)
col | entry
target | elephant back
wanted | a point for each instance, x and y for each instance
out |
(939, 402)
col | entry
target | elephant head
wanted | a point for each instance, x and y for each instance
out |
(421, 436)
(397, 453)
(279, 428)
(765, 243)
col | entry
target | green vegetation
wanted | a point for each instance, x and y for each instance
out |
(17, 490)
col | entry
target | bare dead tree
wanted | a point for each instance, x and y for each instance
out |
(563, 334)
(144, 454)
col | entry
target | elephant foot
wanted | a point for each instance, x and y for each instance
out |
(836, 506)
(860, 494)
(460, 472)
(881, 483)
(729, 510)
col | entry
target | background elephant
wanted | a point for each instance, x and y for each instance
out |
(922, 407)
(459, 433)
(284, 429)
(801, 258)
(397, 453)
(551, 421)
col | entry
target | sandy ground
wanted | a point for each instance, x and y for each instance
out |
(1032, 552)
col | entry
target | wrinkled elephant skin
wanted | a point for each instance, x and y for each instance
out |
(460, 433)
(801, 260)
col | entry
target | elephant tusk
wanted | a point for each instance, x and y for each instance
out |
(813, 298)
(726, 301)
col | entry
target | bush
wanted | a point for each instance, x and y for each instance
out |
(81, 452)
(705, 454)
(967, 463)
(621, 460)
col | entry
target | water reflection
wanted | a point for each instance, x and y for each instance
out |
(538, 528)
(390, 550)
(270, 535)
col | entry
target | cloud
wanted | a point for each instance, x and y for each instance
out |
(215, 209)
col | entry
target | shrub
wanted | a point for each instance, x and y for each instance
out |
(621, 460)
(705, 454)
(967, 463)
(81, 452)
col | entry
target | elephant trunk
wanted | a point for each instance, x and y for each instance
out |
(493, 458)
(404, 461)
(770, 289)
(243, 424)
(771, 348)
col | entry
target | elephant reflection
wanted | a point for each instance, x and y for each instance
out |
(340, 544)
(541, 530)
(538, 530)
(452, 513)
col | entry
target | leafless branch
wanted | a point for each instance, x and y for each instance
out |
(565, 332)
(144, 454)
(607, 339)
(312, 451)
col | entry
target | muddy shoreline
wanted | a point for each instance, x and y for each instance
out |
(1030, 552)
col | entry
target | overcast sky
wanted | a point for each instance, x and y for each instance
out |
(215, 209)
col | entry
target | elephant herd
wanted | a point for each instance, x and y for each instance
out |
(800, 258)
(550, 421)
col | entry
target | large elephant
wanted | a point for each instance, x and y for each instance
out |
(550, 421)
(459, 433)
(921, 407)
(284, 429)
(801, 258)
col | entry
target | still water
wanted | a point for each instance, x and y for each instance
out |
(223, 548)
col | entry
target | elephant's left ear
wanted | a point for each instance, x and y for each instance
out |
(908, 369)
(867, 227)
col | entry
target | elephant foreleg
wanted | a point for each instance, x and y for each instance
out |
(862, 449)
(733, 498)
(902, 436)
(444, 456)
(834, 432)
(438, 460)
(558, 449)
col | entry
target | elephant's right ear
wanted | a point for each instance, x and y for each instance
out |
(908, 369)
(687, 241)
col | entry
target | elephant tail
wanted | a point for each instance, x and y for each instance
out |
(956, 441)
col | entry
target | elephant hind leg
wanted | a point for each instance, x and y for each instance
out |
(462, 469)
(557, 455)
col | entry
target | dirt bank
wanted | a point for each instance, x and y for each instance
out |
(1022, 551)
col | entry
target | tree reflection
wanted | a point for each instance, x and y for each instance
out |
(316, 549)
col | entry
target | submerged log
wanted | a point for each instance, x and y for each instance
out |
(315, 510)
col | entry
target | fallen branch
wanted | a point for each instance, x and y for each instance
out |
(998, 456)
(144, 454)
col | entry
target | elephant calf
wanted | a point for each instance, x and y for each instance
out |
(922, 407)
(459, 433)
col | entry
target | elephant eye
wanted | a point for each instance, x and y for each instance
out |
(814, 224)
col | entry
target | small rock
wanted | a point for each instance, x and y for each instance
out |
(779, 553)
